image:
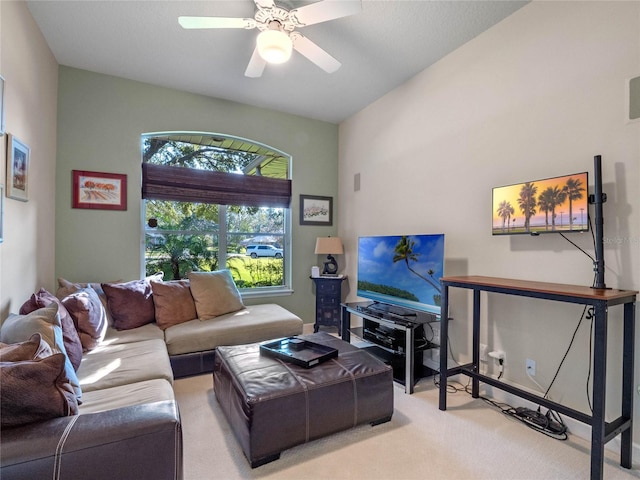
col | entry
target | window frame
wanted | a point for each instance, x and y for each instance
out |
(255, 292)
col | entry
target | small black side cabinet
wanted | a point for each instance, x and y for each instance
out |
(328, 299)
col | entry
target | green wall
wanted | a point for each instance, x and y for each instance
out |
(100, 121)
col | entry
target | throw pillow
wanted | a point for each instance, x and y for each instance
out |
(46, 322)
(88, 315)
(130, 303)
(66, 288)
(215, 293)
(33, 349)
(173, 303)
(35, 390)
(69, 333)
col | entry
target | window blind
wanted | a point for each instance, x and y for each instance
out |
(164, 182)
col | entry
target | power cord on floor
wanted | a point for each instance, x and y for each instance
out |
(453, 386)
(549, 424)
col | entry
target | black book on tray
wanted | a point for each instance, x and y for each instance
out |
(299, 351)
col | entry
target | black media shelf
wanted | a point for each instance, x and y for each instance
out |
(393, 340)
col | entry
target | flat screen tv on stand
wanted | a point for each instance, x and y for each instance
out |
(402, 271)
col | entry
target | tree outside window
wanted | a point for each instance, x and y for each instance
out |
(183, 236)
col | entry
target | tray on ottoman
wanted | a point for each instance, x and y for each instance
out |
(272, 405)
(299, 351)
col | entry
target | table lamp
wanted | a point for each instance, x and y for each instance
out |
(329, 246)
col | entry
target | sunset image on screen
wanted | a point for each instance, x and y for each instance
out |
(558, 204)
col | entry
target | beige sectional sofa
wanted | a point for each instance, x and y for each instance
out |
(128, 424)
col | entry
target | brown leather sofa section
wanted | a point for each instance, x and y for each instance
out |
(130, 443)
(272, 405)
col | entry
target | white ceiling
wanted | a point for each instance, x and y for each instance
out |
(383, 46)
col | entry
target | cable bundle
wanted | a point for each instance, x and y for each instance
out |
(549, 423)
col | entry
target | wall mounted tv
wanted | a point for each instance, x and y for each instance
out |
(558, 204)
(403, 270)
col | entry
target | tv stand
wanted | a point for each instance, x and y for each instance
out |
(385, 309)
(391, 332)
(600, 299)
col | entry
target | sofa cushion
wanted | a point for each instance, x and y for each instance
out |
(35, 390)
(46, 322)
(88, 315)
(173, 302)
(150, 331)
(72, 342)
(255, 323)
(130, 303)
(33, 349)
(120, 364)
(138, 393)
(215, 293)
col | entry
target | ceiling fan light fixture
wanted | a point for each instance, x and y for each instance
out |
(274, 46)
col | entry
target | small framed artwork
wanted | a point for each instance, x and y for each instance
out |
(101, 191)
(1, 105)
(316, 210)
(17, 169)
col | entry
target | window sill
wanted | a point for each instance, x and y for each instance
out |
(266, 292)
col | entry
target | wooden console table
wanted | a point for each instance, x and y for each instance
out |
(600, 300)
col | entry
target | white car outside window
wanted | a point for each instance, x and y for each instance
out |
(255, 251)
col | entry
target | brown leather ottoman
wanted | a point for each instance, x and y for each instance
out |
(273, 405)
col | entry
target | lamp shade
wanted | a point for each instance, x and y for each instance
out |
(274, 46)
(329, 245)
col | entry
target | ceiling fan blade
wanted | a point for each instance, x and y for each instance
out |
(314, 53)
(256, 65)
(216, 22)
(325, 10)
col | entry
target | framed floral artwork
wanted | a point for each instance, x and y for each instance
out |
(97, 190)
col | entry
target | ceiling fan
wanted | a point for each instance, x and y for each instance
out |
(278, 34)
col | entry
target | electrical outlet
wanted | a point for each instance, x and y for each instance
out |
(497, 354)
(531, 367)
(483, 352)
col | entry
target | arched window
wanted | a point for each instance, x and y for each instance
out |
(216, 202)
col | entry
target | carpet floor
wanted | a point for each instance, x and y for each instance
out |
(471, 440)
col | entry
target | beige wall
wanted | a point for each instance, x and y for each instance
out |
(536, 96)
(101, 119)
(31, 75)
